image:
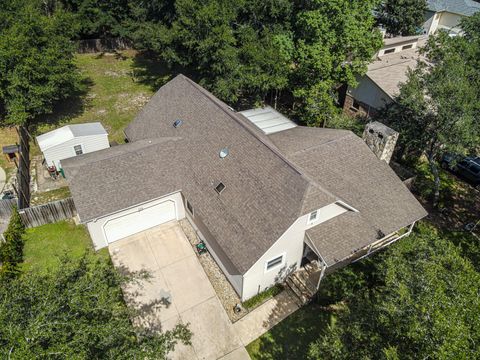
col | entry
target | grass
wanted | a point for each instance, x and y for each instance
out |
(49, 196)
(110, 94)
(262, 297)
(44, 245)
(291, 338)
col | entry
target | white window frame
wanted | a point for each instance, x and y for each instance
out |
(81, 147)
(310, 220)
(276, 266)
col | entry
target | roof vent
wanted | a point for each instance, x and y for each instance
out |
(177, 123)
(219, 188)
(224, 153)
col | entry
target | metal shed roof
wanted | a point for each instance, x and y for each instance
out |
(268, 119)
(66, 133)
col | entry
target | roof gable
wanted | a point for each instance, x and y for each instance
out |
(69, 132)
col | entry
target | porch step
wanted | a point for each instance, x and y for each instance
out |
(300, 284)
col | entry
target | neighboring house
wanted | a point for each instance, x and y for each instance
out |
(265, 205)
(447, 14)
(379, 86)
(70, 141)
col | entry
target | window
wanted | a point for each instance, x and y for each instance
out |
(405, 47)
(220, 187)
(313, 216)
(355, 105)
(389, 51)
(78, 149)
(274, 263)
(189, 207)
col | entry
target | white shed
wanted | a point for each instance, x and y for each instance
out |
(72, 140)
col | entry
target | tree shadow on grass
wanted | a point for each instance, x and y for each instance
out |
(66, 110)
(290, 339)
(149, 69)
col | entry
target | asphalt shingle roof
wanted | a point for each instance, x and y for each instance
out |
(461, 7)
(268, 184)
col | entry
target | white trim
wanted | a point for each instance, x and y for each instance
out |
(138, 209)
(345, 205)
(95, 219)
(282, 255)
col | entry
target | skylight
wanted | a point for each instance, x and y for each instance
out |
(177, 123)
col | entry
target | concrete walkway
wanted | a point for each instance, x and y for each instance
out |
(177, 292)
(266, 316)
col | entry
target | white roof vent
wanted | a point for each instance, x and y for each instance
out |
(223, 153)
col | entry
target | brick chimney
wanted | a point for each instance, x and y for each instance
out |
(380, 139)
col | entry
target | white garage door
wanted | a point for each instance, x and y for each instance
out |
(138, 221)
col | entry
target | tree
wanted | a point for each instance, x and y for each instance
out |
(437, 109)
(36, 61)
(402, 17)
(76, 312)
(427, 307)
(11, 251)
(250, 51)
(334, 42)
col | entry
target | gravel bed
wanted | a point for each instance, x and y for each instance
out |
(225, 292)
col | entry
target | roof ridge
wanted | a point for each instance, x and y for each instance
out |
(347, 134)
(146, 144)
(232, 114)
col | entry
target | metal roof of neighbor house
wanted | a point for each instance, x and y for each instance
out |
(267, 188)
(346, 167)
(68, 132)
(460, 7)
(389, 71)
(268, 119)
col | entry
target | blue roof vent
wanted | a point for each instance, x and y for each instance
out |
(177, 123)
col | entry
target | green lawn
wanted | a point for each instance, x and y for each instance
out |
(111, 94)
(44, 245)
(49, 196)
(291, 337)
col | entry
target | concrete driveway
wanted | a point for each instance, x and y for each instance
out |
(178, 291)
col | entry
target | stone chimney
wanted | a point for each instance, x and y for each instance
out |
(380, 139)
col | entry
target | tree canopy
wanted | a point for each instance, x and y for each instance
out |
(438, 108)
(36, 60)
(294, 53)
(402, 17)
(426, 306)
(75, 312)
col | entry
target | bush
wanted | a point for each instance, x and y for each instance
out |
(262, 297)
(11, 251)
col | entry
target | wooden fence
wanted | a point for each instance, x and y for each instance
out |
(101, 45)
(48, 213)
(6, 206)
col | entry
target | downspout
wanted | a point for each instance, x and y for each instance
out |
(324, 263)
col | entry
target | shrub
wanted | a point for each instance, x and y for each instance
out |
(11, 251)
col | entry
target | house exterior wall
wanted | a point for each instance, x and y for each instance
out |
(369, 96)
(398, 48)
(96, 227)
(65, 150)
(449, 20)
(428, 21)
(235, 278)
(290, 245)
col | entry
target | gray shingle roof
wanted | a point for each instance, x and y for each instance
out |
(268, 185)
(264, 192)
(461, 7)
(345, 166)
